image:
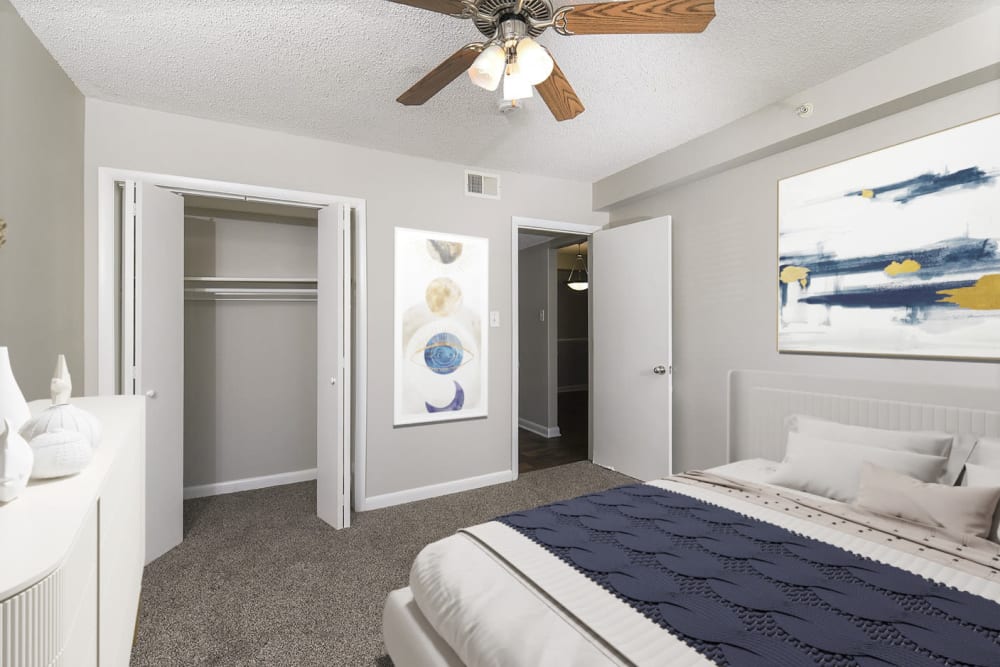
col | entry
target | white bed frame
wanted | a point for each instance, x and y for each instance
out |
(759, 402)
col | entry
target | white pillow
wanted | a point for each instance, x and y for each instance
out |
(833, 469)
(920, 442)
(986, 453)
(957, 509)
(977, 475)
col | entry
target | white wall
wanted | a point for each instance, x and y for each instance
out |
(724, 259)
(41, 198)
(399, 190)
(536, 388)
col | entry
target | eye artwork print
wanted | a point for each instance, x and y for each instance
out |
(441, 282)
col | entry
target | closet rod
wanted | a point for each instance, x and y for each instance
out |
(257, 299)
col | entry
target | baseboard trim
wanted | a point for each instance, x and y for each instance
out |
(538, 429)
(434, 490)
(249, 483)
(572, 387)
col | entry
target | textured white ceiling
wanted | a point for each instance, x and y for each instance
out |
(333, 69)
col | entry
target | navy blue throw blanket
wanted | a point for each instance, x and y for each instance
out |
(744, 592)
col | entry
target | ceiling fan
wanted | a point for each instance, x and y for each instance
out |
(511, 55)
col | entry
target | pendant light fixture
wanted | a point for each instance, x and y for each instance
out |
(579, 279)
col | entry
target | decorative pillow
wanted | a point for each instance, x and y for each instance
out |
(982, 476)
(958, 509)
(920, 442)
(833, 469)
(986, 453)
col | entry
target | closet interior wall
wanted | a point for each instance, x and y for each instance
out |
(249, 340)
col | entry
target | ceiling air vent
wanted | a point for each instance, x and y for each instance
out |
(478, 184)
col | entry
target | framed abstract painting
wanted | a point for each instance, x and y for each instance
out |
(441, 311)
(897, 252)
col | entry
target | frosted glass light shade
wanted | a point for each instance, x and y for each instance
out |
(535, 62)
(487, 68)
(578, 286)
(515, 84)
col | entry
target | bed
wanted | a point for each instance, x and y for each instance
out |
(721, 566)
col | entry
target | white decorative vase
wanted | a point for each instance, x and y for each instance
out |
(13, 407)
(62, 416)
(60, 453)
(16, 460)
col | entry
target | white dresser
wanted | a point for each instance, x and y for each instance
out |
(72, 552)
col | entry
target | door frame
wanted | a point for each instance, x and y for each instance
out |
(107, 289)
(518, 224)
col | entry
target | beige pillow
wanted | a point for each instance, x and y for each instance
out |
(956, 509)
(986, 453)
(833, 469)
(932, 443)
(978, 476)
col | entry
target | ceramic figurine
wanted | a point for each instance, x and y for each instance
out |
(61, 387)
(62, 416)
(16, 459)
(13, 407)
(60, 453)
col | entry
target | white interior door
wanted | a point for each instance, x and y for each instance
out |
(333, 315)
(632, 366)
(158, 353)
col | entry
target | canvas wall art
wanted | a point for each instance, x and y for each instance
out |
(441, 308)
(895, 253)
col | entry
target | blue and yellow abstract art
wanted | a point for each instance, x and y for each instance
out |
(440, 309)
(895, 253)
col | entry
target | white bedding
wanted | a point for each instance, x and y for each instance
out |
(492, 612)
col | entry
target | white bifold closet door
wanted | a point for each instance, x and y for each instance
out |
(333, 319)
(153, 354)
(158, 354)
(630, 272)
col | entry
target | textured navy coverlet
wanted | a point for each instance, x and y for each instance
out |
(745, 592)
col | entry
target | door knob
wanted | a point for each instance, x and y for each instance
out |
(151, 393)
(660, 370)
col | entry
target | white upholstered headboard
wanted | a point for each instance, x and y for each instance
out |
(759, 401)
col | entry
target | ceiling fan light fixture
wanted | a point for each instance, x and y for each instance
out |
(488, 68)
(534, 59)
(515, 84)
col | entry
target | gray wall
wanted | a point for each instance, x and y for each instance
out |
(249, 367)
(536, 390)
(400, 191)
(724, 259)
(41, 198)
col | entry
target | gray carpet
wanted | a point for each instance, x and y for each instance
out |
(259, 580)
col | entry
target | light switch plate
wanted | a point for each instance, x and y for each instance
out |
(494, 318)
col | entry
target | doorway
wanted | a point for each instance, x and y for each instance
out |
(263, 248)
(551, 346)
(554, 346)
(629, 340)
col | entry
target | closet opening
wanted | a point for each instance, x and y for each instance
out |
(553, 410)
(238, 312)
(250, 344)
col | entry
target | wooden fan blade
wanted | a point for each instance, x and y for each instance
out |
(453, 7)
(636, 17)
(440, 76)
(559, 96)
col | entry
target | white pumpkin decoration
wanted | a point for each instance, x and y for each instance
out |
(62, 416)
(60, 453)
(16, 459)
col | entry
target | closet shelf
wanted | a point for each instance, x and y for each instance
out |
(232, 279)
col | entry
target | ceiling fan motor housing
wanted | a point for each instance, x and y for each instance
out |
(532, 11)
